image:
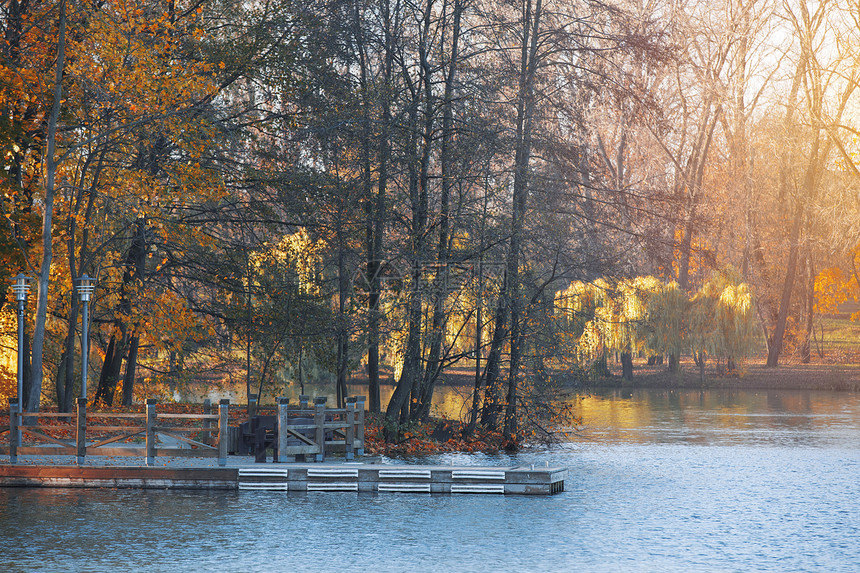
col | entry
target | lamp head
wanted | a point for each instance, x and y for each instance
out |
(20, 286)
(86, 286)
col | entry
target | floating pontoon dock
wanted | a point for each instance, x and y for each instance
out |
(371, 478)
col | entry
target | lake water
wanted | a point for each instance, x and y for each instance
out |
(658, 481)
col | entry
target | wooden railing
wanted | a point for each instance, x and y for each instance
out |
(303, 430)
(138, 431)
(307, 430)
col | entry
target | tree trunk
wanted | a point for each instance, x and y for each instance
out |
(28, 368)
(806, 348)
(627, 366)
(66, 371)
(376, 226)
(134, 269)
(342, 330)
(66, 375)
(525, 113)
(479, 327)
(776, 340)
(434, 358)
(404, 401)
(130, 369)
(44, 276)
(374, 204)
(62, 377)
(492, 393)
(399, 407)
(674, 364)
(110, 369)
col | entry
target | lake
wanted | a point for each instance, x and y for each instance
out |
(658, 481)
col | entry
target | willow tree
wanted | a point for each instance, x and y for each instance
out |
(735, 322)
(609, 317)
(722, 321)
(667, 319)
(580, 305)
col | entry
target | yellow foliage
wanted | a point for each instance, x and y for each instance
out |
(298, 252)
(610, 315)
(644, 314)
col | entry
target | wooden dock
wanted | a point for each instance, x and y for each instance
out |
(369, 478)
(309, 432)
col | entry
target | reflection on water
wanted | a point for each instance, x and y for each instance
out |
(723, 417)
(720, 417)
(664, 416)
(658, 481)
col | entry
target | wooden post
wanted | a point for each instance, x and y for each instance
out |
(252, 406)
(303, 402)
(359, 424)
(350, 429)
(150, 431)
(319, 422)
(81, 436)
(283, 425)
(206, 435)
(223, 431)
(14, 432)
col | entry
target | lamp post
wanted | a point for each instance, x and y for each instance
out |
(20, 287)
(86, 286)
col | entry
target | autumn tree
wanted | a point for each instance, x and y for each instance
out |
(821, 89)
(128, 134)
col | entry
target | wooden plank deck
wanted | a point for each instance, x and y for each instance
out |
(369, 478)
(138, 477)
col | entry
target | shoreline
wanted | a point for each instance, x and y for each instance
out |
(820, 377)
(755, 376)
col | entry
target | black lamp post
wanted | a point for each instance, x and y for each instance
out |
(20, 287)
(86, 286)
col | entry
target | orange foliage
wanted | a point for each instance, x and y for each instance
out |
(134, 147)
(419, 439)
(833, 288)
(8, 384)
(830, 290)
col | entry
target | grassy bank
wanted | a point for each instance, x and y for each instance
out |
(841, 377)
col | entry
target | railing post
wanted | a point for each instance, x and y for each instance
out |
(223, 431)
(283, 424)
(14, 431)
(150, 431)
(303, 402)
(359, 424)
(206, 435)
(350, 429)
(81, 434)
(319, 422)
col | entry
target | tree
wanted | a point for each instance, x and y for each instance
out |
(812, 81)
(128, 122)
(722, 321)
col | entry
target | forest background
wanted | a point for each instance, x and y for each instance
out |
(273, 193)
